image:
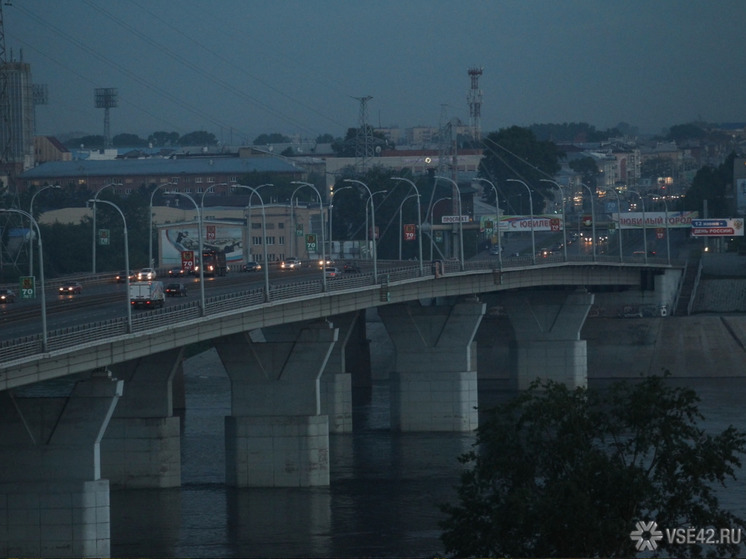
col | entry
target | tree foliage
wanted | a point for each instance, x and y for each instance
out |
(572, 132)
(128, 141)
(516, 153)
(558, 472)
(587, 168)
(273, 138)
(198, 138)
(711, 184)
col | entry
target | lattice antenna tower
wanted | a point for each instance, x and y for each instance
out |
(444, 141)
(474, 98)
(41, 97)
(106, 98)
(363, 139)
(5, 133)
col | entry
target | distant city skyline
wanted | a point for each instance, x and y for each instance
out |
(239, 69)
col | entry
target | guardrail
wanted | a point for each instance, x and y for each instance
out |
(145, 320)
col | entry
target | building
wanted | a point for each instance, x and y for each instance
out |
(18, 138)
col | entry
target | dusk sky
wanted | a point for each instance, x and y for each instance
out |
(239, 68)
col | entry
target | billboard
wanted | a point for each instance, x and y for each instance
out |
(175, 239)
(518, 223)
(726, 227)
(634, 220)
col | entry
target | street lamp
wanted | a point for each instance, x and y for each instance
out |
(419, 221)
(31, 241)
(531, 209)
(248, 226)
(201, 248)
(668, 236)
(619, 221)
(460, 220)
(369, 202)
(564, 224)
(126, 259)
(644, 231)
(593, 219)
(497, 221)
(323, 235)
(95, 198)
(150, 228)
(255, 191)
(331, 218)
(41, 274)
(373, 218)
(401, 225)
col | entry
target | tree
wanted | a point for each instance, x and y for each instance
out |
(88, 142)
(711, 184)
(515, 153)
(559, 472)
(198, 138)
(163, 139)
(587, 168)
(274, 138)
(128, 140)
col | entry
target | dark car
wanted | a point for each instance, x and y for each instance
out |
(350, 268)
(71, 288)
(176, 290)
(122, 276)
(7, 296)
(251, 266)
(176, 272)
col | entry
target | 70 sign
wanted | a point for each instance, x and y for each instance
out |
(28, 287)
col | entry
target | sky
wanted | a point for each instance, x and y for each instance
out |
(240, 68)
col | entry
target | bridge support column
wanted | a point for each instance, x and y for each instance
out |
(275, 435)
(53, 502)
(336, 382)
(142, 446)
(434, 385)
(547, 328)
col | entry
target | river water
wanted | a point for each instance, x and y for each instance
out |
(381, 502)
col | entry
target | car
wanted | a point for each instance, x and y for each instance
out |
(290, 263)
(251, 266)
(146, 274)
(332, 272)
(176, 272)
(176, 290)
(7, 296)
(329, 262)
(545, 252)
(350, 268)
(70, 288)
(121, 277)
(495, 250)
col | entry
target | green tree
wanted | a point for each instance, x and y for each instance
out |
(682, 132)
(274, 138)
(587, 168)
(128, 140)
(324, 139)
(88, 142)
(198, 138)
(515, 153)
(711, 184)
(559, 472)
(163, 139)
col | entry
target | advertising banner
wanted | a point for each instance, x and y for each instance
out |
(634, 220)
(717, 227)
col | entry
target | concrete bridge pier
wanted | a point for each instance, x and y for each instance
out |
(434, 384)
(53, 501)
(276, 435)
(142, 446)
(336, 381)
(547, 328)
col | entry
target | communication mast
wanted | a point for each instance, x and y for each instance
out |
(474, 98)
(363, 139)
(106, 98)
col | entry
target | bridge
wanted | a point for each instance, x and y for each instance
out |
(92, 405)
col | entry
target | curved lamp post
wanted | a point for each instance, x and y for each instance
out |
(248, 224)
(432, 217)
(150, 227)
(95, 199)
(255, 191)
(331, 218)
(401, 224)
(373, 218)
(419, 221)
(201, 248)
(126, 259)
(531, 209)
(668, 236)
(644, 230)
(323, 236)
(619, 224)
(31, 241)
(41, 273)
(497, 221)
(460, 221)
(564, 224)
(593, 219)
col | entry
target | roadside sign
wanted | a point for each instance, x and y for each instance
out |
(28, 287)
(299, 230)
(410, 232)
(210, 233)
(103, 237)
(187, 260)
(454, 219)
(717, 227)
(311, 243)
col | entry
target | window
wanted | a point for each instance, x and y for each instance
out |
(281, 240)
(270, 240)
(256, 241)
(198, 180)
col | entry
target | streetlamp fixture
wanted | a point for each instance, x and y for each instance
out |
(644, 230)
(619, 223)
(460, 218)
(31, 241)
(41, 273)
(323, 236)
(564, 223)
(255, 191)
(95, 198)
(126, 260)
(668, 236)
(248, 226)
(373, 218)
(593, 219)
(419, 221)
(497, 221)
(531, 209)
(201, 248)
(150, 227)
(331, 218)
